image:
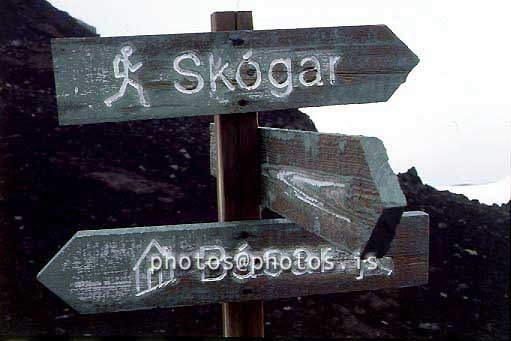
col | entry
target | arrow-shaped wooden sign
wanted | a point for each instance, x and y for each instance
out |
(336, 186)
(165, 266)
(142, 77)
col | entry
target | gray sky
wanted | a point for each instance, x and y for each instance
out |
(449, 119)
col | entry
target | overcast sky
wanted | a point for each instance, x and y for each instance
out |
(451, 119)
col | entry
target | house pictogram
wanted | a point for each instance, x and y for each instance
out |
(149, 279)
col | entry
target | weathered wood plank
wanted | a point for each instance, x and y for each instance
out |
(336, 186)
(96, 271)
(180, 75)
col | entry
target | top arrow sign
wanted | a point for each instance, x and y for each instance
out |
(145, 77)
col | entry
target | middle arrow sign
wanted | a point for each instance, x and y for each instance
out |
(336, 186)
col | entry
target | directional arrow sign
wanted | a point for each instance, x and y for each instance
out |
(143, 77)
(146, 267)
(336, 186)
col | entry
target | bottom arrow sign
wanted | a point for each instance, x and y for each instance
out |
(165, 266)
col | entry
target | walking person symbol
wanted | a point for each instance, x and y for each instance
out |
(126, 52)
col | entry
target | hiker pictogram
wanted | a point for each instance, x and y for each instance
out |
(126, 52)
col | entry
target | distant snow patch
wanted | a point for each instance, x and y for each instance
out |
(493, 193)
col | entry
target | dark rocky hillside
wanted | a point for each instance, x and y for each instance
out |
(56, 180)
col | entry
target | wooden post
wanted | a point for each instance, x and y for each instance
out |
(238, 181)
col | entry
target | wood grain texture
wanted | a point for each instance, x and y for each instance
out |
(94, 271)
(374, 62)
(237, 183)
(336, 186)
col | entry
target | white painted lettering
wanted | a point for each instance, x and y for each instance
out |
(156, 263)
(270, 261)
(372, 264)
(285, 262)
(239, 79)
(153, 271)
(314, 262)
(243, 262)
(188, 73)
(185, 260)
(300, 270)
(327, 263)
(216, 70)
(211, 261)
(288, 83)
(317, 68)
(332, 61)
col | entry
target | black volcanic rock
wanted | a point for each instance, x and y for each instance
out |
(468, 293)
(57, 180)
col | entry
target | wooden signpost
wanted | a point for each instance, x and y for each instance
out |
(132, 78)
(110, 270)
(336, 186)
(237, 183)
(345, 229)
